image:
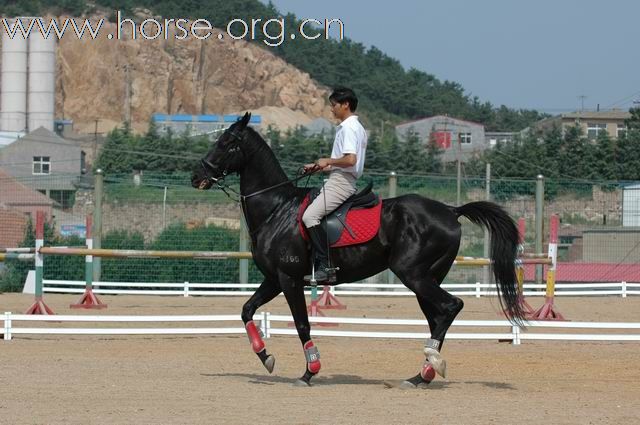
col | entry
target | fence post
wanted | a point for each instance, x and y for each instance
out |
(7, 326)
(186, 289)
(515, 330)
(485, 252)
(539, 223)
(266, 324)
(624, 289)
(477, 289)
(393, 188)
(97, 223)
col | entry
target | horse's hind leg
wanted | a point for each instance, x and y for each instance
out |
(439, 307)
(267, 291)
(439, 323)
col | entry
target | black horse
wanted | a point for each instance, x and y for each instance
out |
(418, 240)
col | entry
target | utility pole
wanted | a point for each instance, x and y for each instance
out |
(582, 98)
(127, 94)
(459, 170)
(95, 141)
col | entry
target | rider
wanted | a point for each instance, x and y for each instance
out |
(345, 166)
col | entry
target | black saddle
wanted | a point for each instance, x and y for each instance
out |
(336, 221)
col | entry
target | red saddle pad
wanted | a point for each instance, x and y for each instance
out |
(364, 223)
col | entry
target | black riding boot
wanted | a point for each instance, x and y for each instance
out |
(320, 256)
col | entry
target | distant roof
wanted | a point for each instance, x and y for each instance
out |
(439, 116)
(500, 133)
(12, 192)
(41, 134)
(612, 114)
(8, 137)
(12, 224)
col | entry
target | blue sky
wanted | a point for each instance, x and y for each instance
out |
(540, 54)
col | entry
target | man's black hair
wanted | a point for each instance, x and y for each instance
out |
(344, 94)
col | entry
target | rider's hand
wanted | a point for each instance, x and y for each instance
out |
(320, 164)
(310, 167)
(323, 163)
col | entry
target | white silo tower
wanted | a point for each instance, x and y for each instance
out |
(41, 81)
(13, 102)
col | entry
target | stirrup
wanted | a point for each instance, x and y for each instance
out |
(327, 275)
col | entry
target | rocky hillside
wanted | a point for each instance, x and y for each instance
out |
(114, 81)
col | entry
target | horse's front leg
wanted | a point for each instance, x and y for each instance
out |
(294, 292)
(267, 291)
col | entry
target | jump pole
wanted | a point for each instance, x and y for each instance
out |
(548, 311)
(39, 306)
(524, 305)
(16, 255)
(89, 300)
(135, 253)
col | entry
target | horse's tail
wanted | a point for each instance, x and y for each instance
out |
(504, 247)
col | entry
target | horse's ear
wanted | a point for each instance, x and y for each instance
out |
(245, 120)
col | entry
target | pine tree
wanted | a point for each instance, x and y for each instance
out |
(603, 159)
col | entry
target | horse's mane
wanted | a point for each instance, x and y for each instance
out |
(268, 158)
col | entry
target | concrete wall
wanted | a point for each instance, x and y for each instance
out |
(622, 246)
(148, 218)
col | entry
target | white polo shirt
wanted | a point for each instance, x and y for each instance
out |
(351, 137)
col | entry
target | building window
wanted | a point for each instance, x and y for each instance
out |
(622, 130)
(465, 138)
(41, 165)
(64, 198)
(593, 129)
(83, 162)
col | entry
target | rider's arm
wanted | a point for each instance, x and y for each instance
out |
(347, 160)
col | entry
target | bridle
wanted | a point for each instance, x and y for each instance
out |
(208, 167)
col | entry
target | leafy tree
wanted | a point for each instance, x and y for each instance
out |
(575, 151)
(602, 162)
(628, 155)
(633, 123)
(115, 156)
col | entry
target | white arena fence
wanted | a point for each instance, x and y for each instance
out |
(622, 289)
(505, 331)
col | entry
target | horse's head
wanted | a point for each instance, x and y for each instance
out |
(228, 155)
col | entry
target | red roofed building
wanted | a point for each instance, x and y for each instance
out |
(17, 203)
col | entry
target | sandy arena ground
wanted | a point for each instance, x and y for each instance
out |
(218, 380)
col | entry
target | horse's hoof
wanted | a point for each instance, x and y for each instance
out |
(413, 383)
(301, 383)
(407, 385)
(439, 364)
(269, 363)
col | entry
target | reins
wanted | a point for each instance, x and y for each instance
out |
(241, 199)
